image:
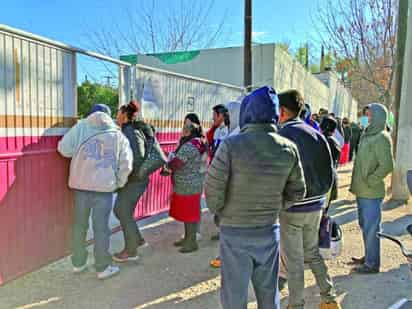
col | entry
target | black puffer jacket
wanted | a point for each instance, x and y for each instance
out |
(315, 155)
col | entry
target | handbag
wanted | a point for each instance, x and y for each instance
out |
(330, 238)
(154, 159)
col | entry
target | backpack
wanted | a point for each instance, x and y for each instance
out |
(154, 157)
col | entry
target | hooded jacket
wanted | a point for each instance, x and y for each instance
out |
(101, 156)
(234, 114)
(374, 160)
(256, 173)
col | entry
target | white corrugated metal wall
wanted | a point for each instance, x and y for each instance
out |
(168, 97)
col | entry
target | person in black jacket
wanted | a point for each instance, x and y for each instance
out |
(355, 139)
(300, 223)
(140, 136)
(328, 127)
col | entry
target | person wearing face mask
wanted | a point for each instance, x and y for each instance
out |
(373, 163)
(188, 167)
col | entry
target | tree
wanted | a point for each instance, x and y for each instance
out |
(160, 27)
(89, 94)
(362, 33)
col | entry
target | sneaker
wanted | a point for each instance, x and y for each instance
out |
(123, 257)
(110, 271)
(216, 263)
(198, 236)
(78, 270)
(332, 305)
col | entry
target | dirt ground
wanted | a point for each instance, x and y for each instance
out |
(166, 279)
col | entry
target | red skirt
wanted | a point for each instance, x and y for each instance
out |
(185, 208)
(344, 156)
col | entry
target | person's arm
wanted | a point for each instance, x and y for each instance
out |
(295, 189)
(186, 153)
(217, 179)
(68, 144)
(384, 155)
(125, 161)
(137, 144)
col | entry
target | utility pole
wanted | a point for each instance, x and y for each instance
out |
(400, 55)
(108, 80)
(403, 83)
(247, 69)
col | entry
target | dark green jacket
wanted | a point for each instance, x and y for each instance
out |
(253, 176)
(374, 160)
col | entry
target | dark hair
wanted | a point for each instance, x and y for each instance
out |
(328, 125)
(197, 131)
(222, 110)
(365, 109)
(194, 118)
(130, 109)
(292, 100)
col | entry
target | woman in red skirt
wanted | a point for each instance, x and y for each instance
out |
(188, 167)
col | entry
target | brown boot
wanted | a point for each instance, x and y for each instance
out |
(333, 305)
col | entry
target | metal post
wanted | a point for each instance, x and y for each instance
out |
(247, 80)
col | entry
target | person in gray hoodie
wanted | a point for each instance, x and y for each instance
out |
(253, 176)
(101, 161)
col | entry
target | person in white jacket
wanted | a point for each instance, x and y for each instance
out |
(101, 163)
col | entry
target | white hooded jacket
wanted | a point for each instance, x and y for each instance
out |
(101, 155)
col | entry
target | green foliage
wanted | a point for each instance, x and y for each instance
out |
(301, 55)
(89, 94)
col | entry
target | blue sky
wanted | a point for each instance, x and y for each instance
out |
(70, 21)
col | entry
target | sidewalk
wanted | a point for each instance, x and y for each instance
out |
(166, 279)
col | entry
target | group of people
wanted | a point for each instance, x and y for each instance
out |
(268, 168)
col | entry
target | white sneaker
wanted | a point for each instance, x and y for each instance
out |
(78, 270)
(198, 236)
(110, 271)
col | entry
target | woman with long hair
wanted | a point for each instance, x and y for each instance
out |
(140, 136)
(188, 167)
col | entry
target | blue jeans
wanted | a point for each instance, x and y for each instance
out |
(100, 204)
(369, 216)
(249, 254)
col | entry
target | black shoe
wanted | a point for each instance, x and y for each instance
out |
(189, 248)
(215, 237)
(179, 243)
(366, 270)
(357, 261)
(282, 283)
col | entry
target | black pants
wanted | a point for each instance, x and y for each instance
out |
(124, 209)
(353, 150)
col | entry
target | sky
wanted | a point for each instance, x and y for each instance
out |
(71, 21)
